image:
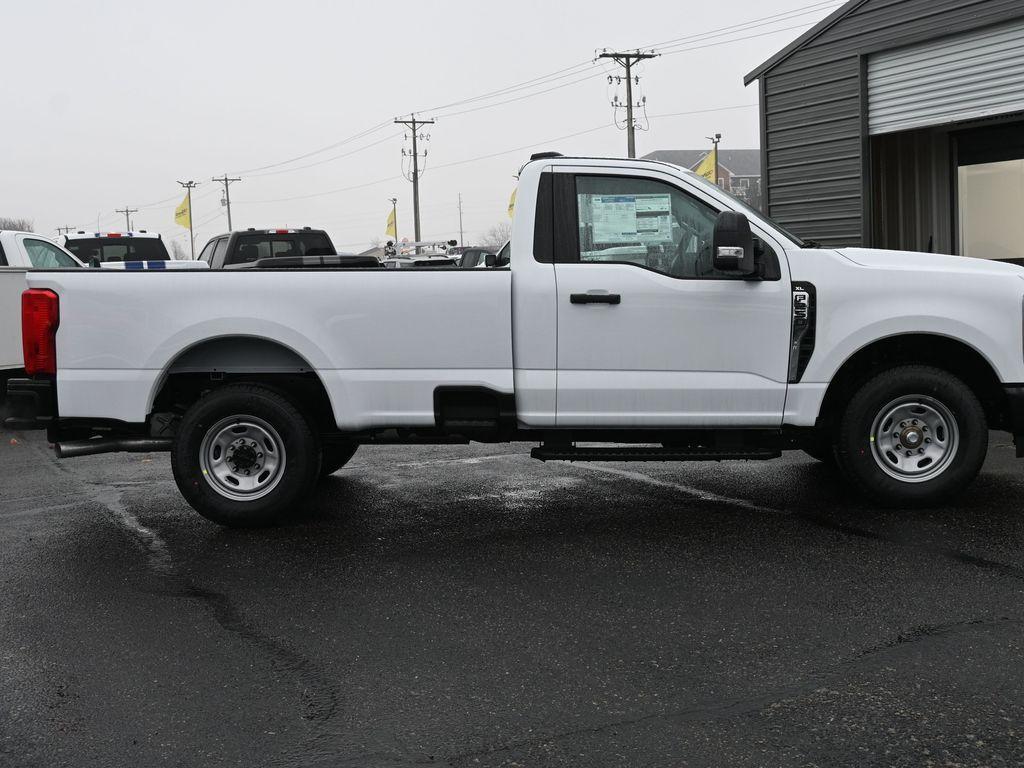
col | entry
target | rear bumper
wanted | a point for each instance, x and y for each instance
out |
(1015, 414)
(32, 404)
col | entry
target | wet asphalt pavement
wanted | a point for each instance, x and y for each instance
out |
(468, 606)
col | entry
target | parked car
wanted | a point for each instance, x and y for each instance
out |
(746, 342)
(243, 248)
(19, 252)
(97, 248)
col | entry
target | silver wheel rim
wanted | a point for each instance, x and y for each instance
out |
(914, 438)
(242, 458)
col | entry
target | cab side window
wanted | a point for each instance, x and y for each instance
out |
(45, 255)
(207, 253)
(219, 251)
(645, 222)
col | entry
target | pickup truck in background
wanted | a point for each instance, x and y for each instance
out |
(97, 248)
(243, 249)
(646, 315)
(19, 252)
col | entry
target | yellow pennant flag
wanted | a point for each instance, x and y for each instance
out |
(707, 166)
(183, 214)
(391, 230)
(512, 202)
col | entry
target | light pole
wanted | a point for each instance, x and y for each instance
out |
(714, 140)
(394, 218)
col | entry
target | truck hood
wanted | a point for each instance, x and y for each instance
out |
(929, 262)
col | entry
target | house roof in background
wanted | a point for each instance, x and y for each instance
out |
(739, 162)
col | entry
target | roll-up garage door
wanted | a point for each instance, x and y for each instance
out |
(979, 74)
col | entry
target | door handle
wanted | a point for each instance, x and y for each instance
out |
(595, 298)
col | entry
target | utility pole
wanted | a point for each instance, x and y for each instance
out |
(626, 60)
(462, 236)
(189, 186)
(127, 212)
(714, 140)
(227, 195)
(415, 125)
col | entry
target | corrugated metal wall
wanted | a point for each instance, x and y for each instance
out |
(813, 114)
(960, 78)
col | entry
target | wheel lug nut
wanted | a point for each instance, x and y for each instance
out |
(903, 425)
(909, 454)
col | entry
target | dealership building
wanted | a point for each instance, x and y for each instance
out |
(900, 124)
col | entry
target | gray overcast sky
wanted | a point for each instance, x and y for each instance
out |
(108, 103)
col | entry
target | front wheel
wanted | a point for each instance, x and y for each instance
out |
(245, 456)
(912, 436)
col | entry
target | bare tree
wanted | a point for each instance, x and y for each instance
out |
(498, 235)
(14, 223)
(178, 251)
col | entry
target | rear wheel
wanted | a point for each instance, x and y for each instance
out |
(912, 436)
(245, 456)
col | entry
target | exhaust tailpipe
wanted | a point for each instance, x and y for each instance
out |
(73, 448)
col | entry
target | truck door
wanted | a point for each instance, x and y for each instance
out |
(649, 334)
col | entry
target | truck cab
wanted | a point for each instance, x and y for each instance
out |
(243, 248)
(98, 248)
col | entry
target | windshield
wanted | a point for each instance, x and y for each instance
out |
(748, 209)
(106, 249)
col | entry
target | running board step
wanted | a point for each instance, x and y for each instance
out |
(620, 453)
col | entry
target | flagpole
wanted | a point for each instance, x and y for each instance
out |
(188, 196)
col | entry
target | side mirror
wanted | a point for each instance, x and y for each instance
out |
(733, 245)
(94, 261)
(490, 260)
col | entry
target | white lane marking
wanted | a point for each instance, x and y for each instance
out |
(697, 493)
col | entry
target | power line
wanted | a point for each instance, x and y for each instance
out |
(391, 137)
(350, 139)
(752, 23)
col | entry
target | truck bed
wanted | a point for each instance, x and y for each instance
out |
(382, 341)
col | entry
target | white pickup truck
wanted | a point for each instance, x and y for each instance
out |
(645, 315)
(19, 252)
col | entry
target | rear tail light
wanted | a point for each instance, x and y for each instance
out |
(40, 316)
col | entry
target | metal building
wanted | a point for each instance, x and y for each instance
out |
(900, 124)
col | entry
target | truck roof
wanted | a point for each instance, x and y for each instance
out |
(263, 231)
(83, 235)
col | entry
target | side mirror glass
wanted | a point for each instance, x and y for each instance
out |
(733, 245)
(490, 260)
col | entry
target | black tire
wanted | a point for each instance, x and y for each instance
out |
(861, 454)
(335, 457)
(237, 408)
